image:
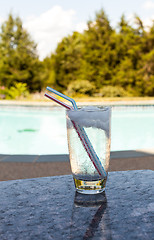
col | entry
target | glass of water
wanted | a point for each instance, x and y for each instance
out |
(88, 134)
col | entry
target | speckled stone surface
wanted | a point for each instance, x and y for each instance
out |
(49, 208)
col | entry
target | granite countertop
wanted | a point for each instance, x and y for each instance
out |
(49, 208)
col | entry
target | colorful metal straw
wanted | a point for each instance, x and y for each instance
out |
(80, 131)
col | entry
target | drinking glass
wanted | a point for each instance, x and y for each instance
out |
(88, 134)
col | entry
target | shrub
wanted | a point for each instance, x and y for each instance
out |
(112, 91)
(19, 90)
(80, 88)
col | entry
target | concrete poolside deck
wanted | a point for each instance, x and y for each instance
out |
(48, 103)
(34, 166)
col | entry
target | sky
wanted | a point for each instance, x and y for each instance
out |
(48, 21)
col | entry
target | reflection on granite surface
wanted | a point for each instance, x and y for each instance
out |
(90, 214)
(49, 208)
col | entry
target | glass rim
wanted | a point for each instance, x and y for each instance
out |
(99, 109)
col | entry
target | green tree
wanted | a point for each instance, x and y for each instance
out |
(104, 61)
(99, 50)
(48, 72)
(129, 50)
(19, 61)
(145, 75)
(68, 60)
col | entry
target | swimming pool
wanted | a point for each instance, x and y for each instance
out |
(27, 130)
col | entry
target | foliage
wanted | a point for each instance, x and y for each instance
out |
(112, 91)
(80, 88)
(19, 90)
(105, 57)
(48, 72)
(19, 61)
(68, 61)
(100, 61)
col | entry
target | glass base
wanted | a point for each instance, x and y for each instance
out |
(90, 187)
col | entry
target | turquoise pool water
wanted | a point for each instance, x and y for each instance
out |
(28, 130)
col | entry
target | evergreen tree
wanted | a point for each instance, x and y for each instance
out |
(103, 57)
(19, 61)
(48, 72)
(68, 60)
(98, 50)
(100, 61)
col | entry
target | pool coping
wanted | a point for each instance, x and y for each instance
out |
(65, 157)
(48, 103)
(34, 166)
